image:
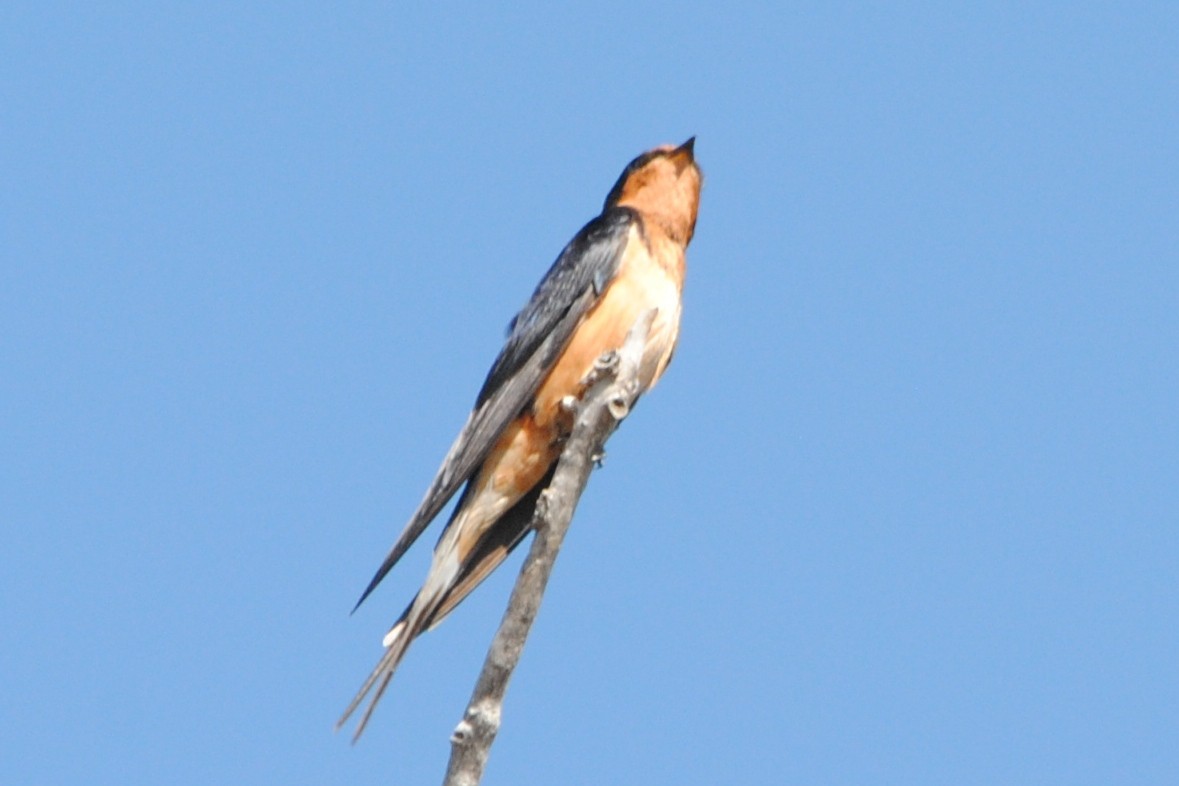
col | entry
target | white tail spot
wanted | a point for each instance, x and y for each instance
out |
(392, 635)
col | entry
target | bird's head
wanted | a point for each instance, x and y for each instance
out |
(664, 186)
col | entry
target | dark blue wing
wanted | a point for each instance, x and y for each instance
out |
(537, 337)
(589, 261)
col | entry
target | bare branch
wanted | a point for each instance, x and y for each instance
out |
(612, 388)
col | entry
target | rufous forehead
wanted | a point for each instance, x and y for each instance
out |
(661, 156)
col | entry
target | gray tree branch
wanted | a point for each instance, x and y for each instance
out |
(612, 388)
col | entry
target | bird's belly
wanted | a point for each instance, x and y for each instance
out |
(630, 295)
(531, 443)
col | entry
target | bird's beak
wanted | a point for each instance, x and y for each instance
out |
(683, 155)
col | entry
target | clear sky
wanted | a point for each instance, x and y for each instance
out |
(905, 508)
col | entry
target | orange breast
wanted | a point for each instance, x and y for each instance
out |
(648, 277)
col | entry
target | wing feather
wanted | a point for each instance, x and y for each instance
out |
(538, 335)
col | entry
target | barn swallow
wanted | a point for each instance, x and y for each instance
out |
(628, 260)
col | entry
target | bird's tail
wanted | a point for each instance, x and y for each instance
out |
(413, 620)
(450, 581)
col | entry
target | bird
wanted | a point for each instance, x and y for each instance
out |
(626, 261)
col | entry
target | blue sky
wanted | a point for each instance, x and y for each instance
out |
(903, 510)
